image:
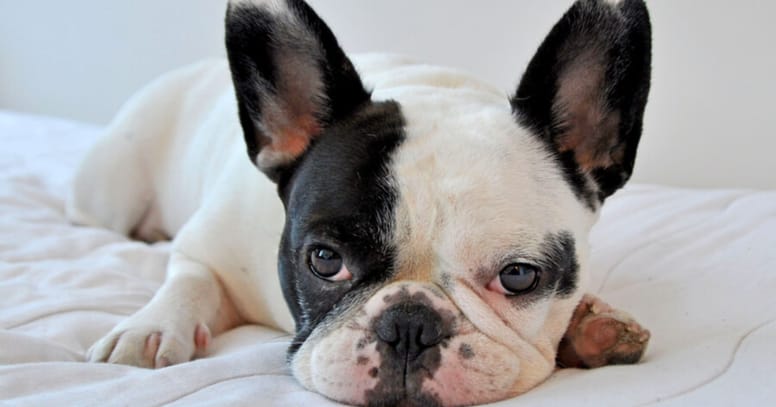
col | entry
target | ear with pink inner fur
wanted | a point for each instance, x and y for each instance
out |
(585, 90)
(291, 78)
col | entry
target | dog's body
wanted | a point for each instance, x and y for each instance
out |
(430, 237)
(148, 149)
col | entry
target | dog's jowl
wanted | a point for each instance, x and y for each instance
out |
(423, 236)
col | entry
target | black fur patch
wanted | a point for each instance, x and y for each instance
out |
(560, 257)
(593, 36)
(340, 196)
(557, 260)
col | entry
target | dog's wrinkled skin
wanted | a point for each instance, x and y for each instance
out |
(434, 245)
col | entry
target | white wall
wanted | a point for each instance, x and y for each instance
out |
(82, 58)
(709, 121)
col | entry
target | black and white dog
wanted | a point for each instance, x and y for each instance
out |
(430, 235)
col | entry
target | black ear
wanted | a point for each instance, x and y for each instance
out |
(585, 90)
(291, 78)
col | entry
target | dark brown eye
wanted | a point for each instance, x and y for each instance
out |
(327, 264)
(518, 278)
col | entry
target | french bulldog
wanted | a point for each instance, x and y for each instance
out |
(423, 236)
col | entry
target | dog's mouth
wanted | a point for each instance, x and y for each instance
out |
(459, 370)
(411, 348)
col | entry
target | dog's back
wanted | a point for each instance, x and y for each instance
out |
(119, 184)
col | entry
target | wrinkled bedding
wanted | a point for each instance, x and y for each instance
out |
(697, 267)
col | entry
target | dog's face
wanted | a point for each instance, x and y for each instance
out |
(435, 245)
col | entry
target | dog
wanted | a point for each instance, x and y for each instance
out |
(422, 235)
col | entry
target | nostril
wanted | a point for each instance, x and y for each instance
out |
(432, 333)
(410, 328)
(387, 329)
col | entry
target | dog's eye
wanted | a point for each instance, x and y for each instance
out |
(516, 278)
(328, 265)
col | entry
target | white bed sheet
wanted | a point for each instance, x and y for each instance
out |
(697, 267)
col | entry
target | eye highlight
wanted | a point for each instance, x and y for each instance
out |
(515, 279)
(328, 265)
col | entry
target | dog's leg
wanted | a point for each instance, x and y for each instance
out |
(178, 323)
(600, 335)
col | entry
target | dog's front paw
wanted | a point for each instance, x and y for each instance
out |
(137, 342)
(600, 335)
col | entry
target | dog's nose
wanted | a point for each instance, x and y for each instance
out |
(410, 328)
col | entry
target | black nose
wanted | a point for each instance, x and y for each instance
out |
(410, 328)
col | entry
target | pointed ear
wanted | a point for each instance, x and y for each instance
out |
(585, 90)
(291, 78)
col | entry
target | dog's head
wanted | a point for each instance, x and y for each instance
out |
(435, 244)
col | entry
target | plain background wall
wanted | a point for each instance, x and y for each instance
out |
(709, 121)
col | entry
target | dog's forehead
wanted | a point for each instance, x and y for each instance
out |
(439, 180)
(471, 185)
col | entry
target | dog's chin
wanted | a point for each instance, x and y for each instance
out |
(468, 368)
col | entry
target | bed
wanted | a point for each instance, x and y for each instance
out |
(697, 267)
